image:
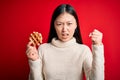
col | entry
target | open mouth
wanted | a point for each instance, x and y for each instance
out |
(65, 34)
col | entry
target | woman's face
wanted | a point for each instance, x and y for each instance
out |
(65, 25)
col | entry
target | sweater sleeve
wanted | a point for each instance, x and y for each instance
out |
(36, 68)
(94, 63)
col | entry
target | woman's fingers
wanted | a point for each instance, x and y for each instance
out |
(31, 51)
(33, 56)
(96, 36)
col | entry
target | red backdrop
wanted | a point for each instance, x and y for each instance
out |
(18, 18)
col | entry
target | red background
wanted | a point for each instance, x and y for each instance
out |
(18, 18)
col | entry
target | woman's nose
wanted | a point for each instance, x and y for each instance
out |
(65, 28)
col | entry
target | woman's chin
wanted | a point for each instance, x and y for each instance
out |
(65, 39)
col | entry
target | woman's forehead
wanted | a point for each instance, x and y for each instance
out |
(65, 17)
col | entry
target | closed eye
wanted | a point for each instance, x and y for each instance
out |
(69, 24)
(58, 24)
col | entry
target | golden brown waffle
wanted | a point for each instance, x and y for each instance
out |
(36, 38)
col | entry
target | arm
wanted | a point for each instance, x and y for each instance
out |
(98, 62)
(35, 70)
(94, 63)
(35, 62)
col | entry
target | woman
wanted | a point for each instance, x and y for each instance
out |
(64, 57)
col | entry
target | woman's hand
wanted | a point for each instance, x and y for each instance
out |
(96, 37)
(32, 52)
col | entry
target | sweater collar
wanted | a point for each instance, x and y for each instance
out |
(58, 43)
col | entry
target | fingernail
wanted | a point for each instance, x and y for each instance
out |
(90, 35)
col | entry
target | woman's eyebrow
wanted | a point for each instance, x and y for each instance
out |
(66, 21)
(59, 21)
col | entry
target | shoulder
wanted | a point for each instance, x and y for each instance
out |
(44, 45)
(83, 46)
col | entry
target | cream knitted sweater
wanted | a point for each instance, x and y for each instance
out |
(67, 61)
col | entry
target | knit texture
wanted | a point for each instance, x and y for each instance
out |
(67, 61)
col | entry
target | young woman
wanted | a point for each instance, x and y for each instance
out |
(65, 57)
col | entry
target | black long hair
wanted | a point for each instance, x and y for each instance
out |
(59, 10)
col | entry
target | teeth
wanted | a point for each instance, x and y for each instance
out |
(65, 34)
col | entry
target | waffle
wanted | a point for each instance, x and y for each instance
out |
(36, 38)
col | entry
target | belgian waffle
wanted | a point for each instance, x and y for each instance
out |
(36, 38)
